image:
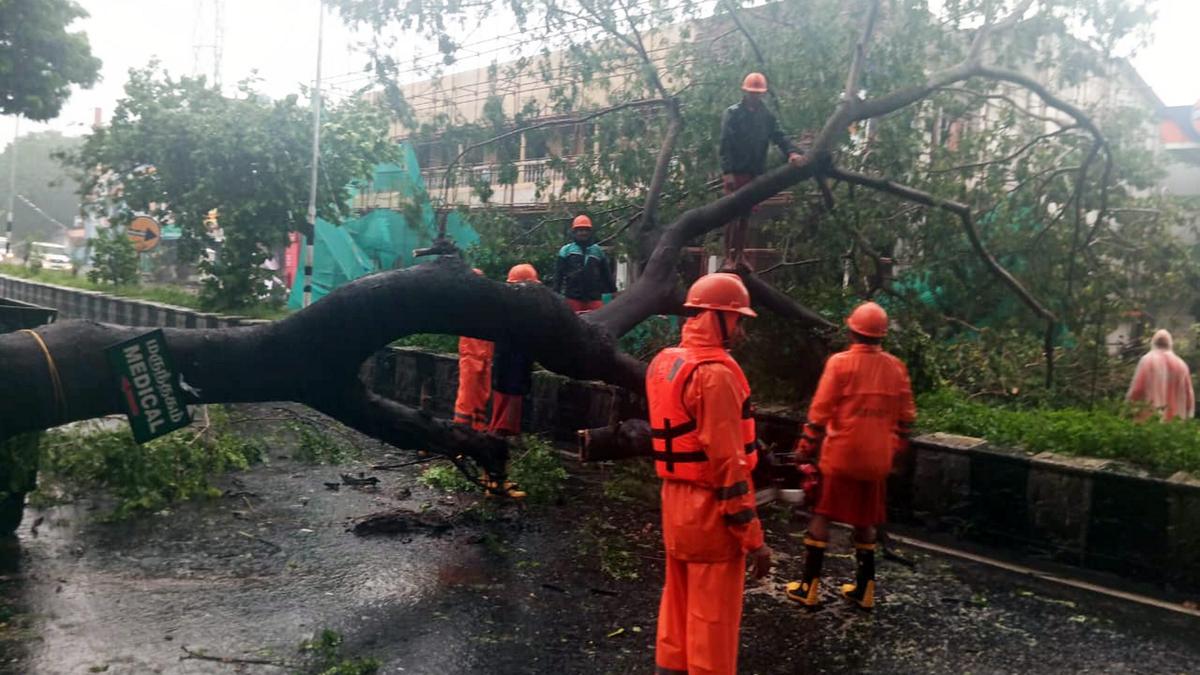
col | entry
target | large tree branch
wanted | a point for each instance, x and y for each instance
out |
(314, 355)
(1080, 188)
(1008, 158)
(654, 289)
(658, 181)
(1003, 97)
(844, 114)
(968, 222)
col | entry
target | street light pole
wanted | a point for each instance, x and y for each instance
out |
(12, 186)
(316, 159)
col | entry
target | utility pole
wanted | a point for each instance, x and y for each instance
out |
(316, 159)
(12, 185)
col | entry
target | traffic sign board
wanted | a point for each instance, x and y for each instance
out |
(144, 232)
(171, 233)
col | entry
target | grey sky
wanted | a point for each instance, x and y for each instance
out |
(278, 38)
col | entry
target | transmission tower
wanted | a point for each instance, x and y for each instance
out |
(208, 37)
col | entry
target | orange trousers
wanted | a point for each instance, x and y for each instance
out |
(581, 306)
(474, 389)
(506, 414)
(699, 617)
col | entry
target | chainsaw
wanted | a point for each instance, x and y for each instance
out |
(778, 477)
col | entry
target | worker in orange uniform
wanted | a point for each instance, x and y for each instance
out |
(512, 371)
(697, 395)
(474, 381)
(582, 271)
(860, 418)
(746, 128)
(512, 379)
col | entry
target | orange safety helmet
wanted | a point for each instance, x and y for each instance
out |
(523, 272)
(581, 222)
(721, 291)
(755, 83)
(868, 319)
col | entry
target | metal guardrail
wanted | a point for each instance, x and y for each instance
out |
(16, 315)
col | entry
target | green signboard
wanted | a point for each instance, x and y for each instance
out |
(149, 386)
(171, 233)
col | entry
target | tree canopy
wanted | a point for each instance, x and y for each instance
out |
(177, 148)
(1051, 195)
(40, 58)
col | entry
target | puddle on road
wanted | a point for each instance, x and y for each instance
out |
(128, 595)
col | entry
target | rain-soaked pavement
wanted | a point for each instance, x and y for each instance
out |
(571, 588)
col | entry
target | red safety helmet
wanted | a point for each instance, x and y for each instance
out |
(868, 319)
(721, 291)
(581, 222)
(478, 272)
(523, 272)
(755, 83)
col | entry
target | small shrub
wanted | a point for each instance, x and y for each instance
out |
(537, 470)
(1105, 432)
(324, 652)
(114, 261)
(315, 447)
(446, 478)
(146, 477)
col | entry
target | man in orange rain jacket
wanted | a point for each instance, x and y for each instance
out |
(474, 381)
(859, 419)
(697, 395)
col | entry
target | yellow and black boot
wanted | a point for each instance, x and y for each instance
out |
(862, 591)
(805, 590)
(494, 489)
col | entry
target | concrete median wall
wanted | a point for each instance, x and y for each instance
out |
(74, 303)
(1092, 513)
(1099, 514)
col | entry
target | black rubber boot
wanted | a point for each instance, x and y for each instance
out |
(805, 590)
(862, 591)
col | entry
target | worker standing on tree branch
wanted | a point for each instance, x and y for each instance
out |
(746, 128)
(698, 396)
(583, 273)
(474, 381)
(859, 419)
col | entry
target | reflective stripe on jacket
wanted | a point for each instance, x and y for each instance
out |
(678, 452)
(708, 502)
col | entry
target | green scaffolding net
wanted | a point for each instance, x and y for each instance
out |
(379, 238)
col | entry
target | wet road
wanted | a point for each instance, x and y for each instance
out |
(567, 589)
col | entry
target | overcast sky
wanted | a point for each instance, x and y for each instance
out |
(278, 39)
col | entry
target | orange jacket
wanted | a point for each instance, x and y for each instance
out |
(678, 451)
(863, 403)
(716, 520)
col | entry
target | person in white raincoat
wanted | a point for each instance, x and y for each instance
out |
(1163, 383)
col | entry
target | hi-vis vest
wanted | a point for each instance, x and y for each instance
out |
(678, 454)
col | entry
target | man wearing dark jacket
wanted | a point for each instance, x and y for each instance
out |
(582, 272)
(746, 128)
